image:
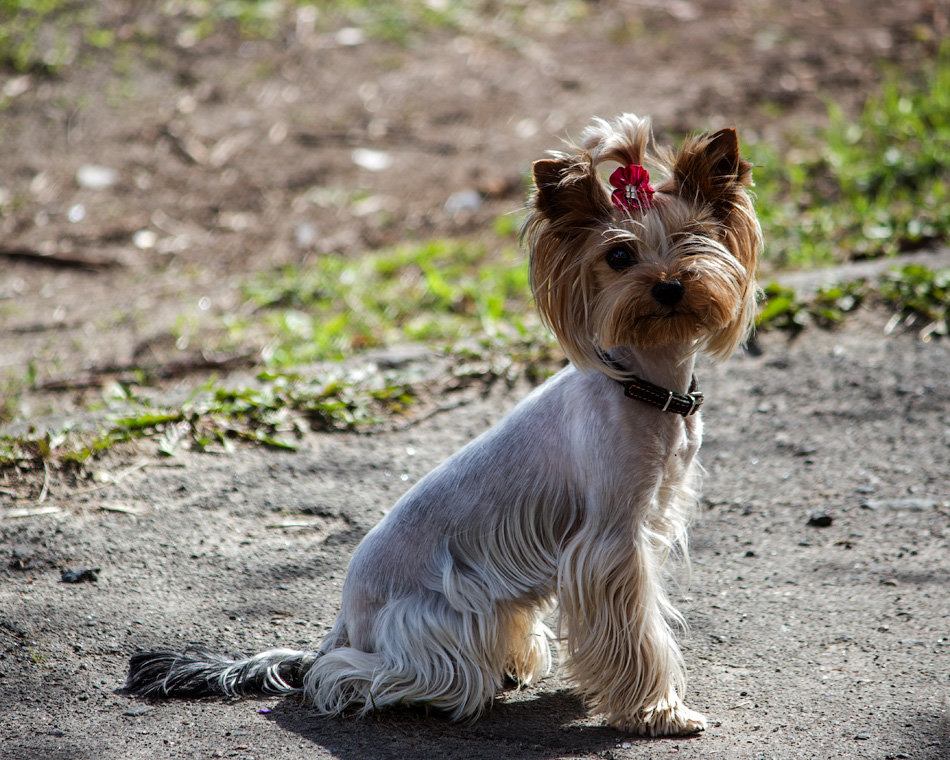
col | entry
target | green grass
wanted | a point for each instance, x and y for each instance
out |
(873, 187)
(918, 296)
(43, 36)
(869, 187)
(272, 412)
(35, 34)
(441, 292)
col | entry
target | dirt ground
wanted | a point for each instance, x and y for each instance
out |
(233, 157)
(805, 642)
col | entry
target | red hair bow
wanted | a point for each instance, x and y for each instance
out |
(633, 191)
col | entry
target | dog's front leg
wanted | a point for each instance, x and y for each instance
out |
(621, 652)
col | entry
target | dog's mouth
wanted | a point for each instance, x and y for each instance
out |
(663, 326)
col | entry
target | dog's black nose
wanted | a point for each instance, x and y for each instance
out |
(668, 292)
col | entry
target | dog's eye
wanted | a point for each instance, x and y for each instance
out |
(620, 258)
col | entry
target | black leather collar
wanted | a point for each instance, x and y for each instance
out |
(665, 400)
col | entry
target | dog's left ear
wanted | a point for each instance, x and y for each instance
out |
(709, 168)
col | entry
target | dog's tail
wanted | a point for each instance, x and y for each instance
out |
(198, 672)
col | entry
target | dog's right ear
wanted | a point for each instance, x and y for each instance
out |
(547, 177)
(569, 201)
(568, 188)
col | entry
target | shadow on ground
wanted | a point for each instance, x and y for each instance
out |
(546, 725)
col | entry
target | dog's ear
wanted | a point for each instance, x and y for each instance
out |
(568, 189)
(569, 201)
(547, 177)
(709, 168)
(709, 171)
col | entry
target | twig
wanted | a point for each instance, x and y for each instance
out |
(37, 327)
(116, 479)
(44, 492)
(31, 512)
(96, 375)
(57, 260)
(188, 147)
(433, 412)
(12, 633)
(122, 508)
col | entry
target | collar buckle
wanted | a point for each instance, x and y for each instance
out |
(667, 404)
(696, 399)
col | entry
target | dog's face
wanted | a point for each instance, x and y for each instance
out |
(678, 268)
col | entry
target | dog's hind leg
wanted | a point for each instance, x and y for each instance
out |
(528, 643)
(424, 652)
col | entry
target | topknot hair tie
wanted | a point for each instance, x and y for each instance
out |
(632, 188)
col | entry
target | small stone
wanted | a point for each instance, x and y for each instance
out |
(145, 239)
(139, 710)
(17, 86)
(820, 520)
(94, 177)
(305, 235)
(76, 213)
(349, 36)
(463, 201)
(908, 505)
(85, 575)
(371, 160)
(861, 737)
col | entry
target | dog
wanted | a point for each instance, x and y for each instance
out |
(579, 496)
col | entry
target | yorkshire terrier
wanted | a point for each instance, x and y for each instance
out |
(579, 496)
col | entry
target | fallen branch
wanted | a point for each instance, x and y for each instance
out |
(57, 260)
(45, 490)
(131, 373)
(30, 512)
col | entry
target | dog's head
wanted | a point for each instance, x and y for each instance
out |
(639, 267)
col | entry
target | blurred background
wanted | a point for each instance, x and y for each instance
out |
(197, 188)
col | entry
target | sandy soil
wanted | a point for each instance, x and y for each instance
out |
(805, 641)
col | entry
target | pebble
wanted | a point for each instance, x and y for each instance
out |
(145, 239)
(305, 235)
(909, 504)
(86, 574)
(820, 519)
(95, 177)
(17, 86)
(371, 160)
(349, 36)
(462, 201)
(76, 213)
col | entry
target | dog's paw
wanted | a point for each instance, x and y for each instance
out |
(666, 719)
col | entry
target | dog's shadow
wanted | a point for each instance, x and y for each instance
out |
(542, 725)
